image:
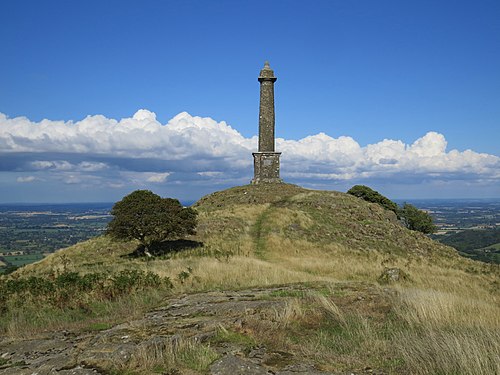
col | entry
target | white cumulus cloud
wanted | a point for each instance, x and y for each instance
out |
(158, 177)
(25, 179)
(191, 148)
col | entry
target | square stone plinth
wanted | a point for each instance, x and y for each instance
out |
(266, 167)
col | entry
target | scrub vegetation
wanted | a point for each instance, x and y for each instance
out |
(410, 216)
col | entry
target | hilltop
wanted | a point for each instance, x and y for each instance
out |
(278, 278)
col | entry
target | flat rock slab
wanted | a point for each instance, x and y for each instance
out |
(231, 364)
(48, 371)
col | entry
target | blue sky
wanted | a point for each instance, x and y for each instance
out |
(423, 74)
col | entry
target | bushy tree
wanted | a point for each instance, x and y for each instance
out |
(416, 219)
(411, 216)
(149, 218)
(370, 195)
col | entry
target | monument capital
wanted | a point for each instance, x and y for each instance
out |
(267, 74)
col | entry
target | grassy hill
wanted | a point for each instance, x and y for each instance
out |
(441, 317)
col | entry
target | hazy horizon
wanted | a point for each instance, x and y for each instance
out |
(397, 200)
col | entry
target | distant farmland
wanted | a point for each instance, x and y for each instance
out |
(21, 260)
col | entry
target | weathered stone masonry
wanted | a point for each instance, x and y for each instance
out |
(266, 160)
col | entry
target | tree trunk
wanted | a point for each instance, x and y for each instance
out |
(145, 248)
(146, 252)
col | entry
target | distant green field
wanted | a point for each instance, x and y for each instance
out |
(21, 260)
(490, 254)
(492, 247)
(479, 244)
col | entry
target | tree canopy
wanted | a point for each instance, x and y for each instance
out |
(416, 219)
(149, 218)
(411, 216)
(370, 195)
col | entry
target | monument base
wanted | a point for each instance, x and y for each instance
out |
(266, 166)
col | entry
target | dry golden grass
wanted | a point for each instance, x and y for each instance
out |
(95, 254)
(292, 312)
(459, 351)
(329, 308)
(163, 357)
(434, 308)
(449, 332)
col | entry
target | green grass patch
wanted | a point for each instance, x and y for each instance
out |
(228, 336)
(5, 363)
(341, 338)
(21, 260)
(288, 293)
(259, 233)
(197, 357)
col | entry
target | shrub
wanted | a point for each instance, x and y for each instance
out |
(370, 195)
(72, 290)
(416, 219)
(411, 216)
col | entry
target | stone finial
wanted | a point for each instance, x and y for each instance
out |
(267, 73)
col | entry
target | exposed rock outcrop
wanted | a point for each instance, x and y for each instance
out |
(195, 318)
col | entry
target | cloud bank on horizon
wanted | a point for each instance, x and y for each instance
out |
(140, 151)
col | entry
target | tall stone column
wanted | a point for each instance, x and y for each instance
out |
(266, 160)
(266, 109)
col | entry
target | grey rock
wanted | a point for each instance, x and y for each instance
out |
(391, 275)
(232, 365)
(302, 369)
(43, 354)
(79, 371)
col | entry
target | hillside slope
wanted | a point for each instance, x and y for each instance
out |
(327, 250)
(295, 233)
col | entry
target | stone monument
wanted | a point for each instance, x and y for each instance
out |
(266, 161)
